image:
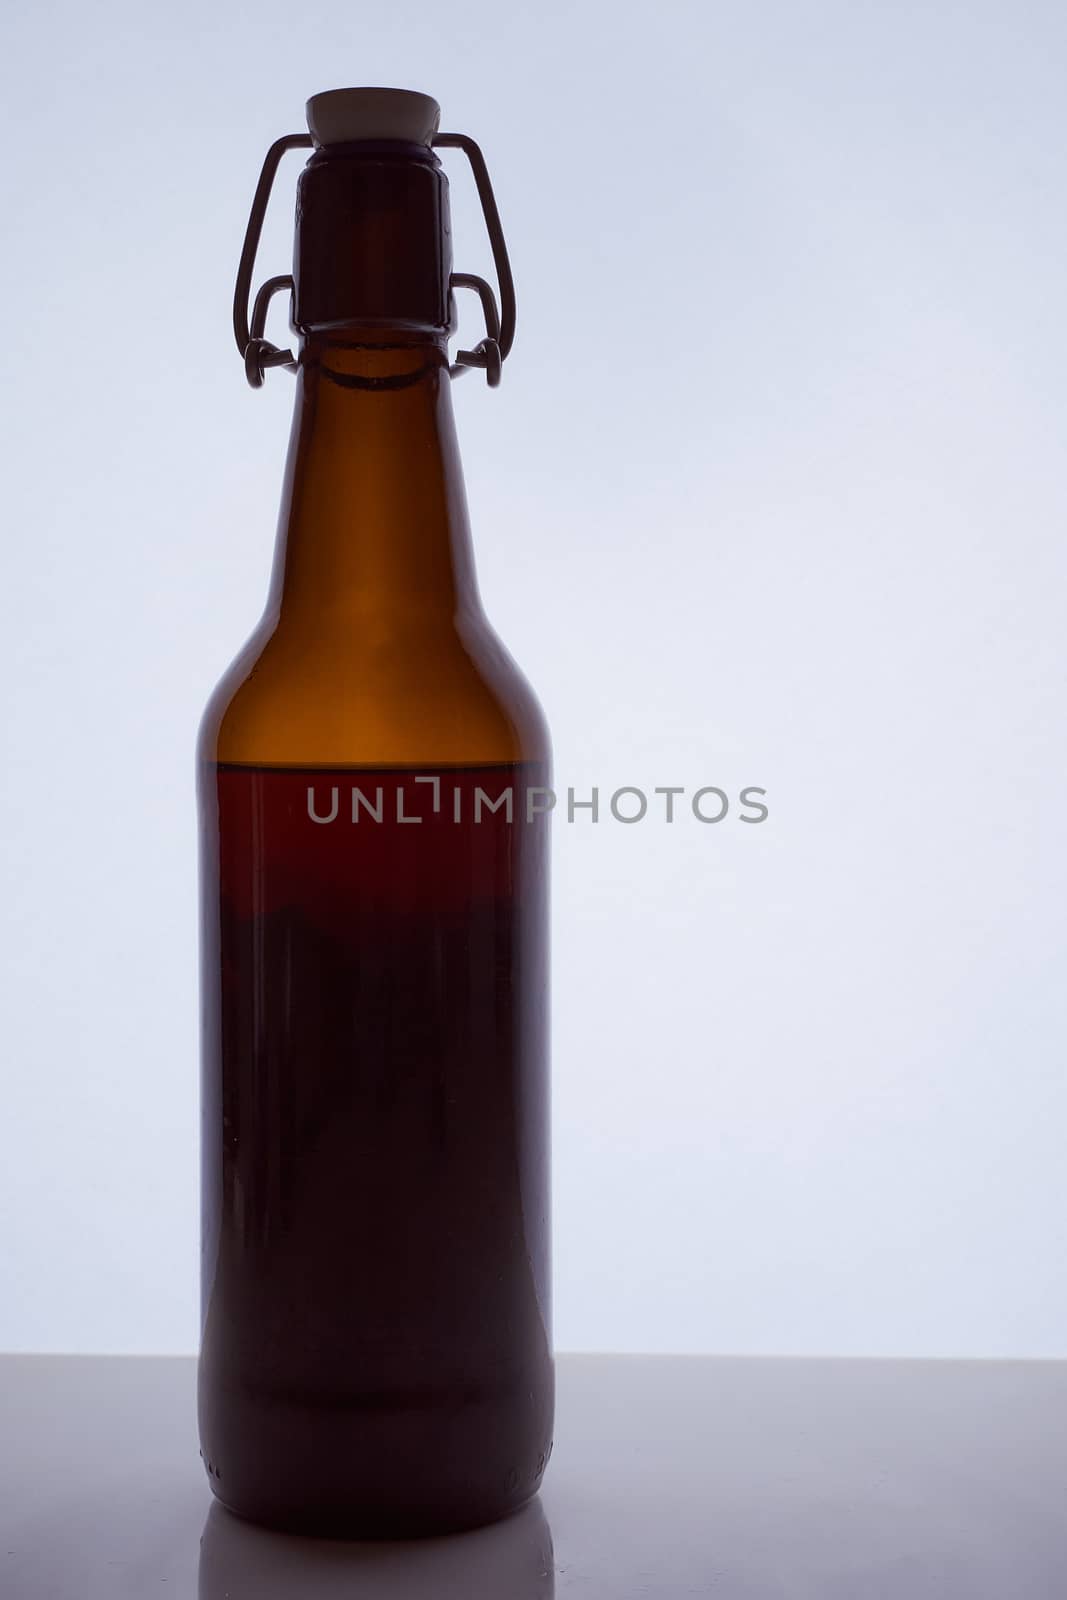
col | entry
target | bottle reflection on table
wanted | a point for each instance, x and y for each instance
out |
(509, 1560)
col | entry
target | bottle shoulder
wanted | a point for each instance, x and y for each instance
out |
(374, 691)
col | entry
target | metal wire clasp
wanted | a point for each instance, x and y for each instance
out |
(259, 354)
(499, 326)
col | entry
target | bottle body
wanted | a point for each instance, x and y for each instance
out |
(373, 783)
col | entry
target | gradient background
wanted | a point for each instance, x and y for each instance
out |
(773, 493)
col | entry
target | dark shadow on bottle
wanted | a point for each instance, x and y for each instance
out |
(511, 1560)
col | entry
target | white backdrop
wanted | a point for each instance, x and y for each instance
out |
(773, 493)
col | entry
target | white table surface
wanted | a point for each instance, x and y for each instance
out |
(672, 1476)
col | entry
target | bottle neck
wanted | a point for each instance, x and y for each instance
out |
(373, 523)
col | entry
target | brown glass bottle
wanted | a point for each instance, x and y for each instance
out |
(373, 790)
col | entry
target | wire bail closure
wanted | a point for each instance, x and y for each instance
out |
(259, 354)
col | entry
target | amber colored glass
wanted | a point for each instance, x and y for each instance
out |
(376, 1352)
(374, 649)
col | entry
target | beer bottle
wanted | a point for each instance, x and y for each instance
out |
(374, 790)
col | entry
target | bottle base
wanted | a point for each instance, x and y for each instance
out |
(357, 1471)
(342, 1524)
